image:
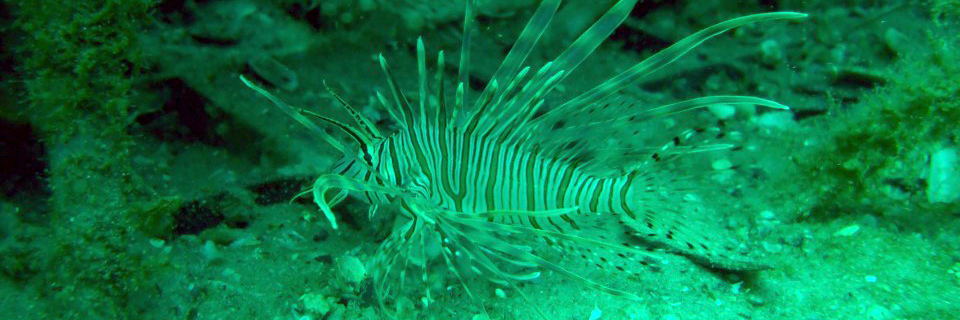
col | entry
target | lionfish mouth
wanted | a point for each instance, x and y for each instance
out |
(478, 183)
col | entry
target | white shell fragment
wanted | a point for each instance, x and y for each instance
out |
(848, 231)
(943, 179)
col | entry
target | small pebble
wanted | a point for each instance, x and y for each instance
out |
(778, 120)
(157, 243)
(772, 247)
(721, 164)
(895, 41)
(771, 52)
(723, 111)
(847, 231)
(767, 215)
(755, 300)
(210, 252)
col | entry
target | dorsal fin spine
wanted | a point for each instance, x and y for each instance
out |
(525, 42)
(398, 97)
(463, 75)
(442, 114)
(391, 110)
(665, 57)
(365, 124)
(524, 90)
(422, 72)
(483, 102)
(458, 114)
(518, 121)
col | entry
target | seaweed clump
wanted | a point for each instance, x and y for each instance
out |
(76, 70)
(874, 158)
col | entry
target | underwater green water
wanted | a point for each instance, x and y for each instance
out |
(141, 178)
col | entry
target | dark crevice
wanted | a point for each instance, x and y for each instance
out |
(221, 209)
(183, 116)
(225, 209)
(23, 166)
(188, 116)
(769, 5)
(637, 40)
(852, 79)
(801, 114)
(213, 41)
(177, 11)
(912, 186)
(643, 8)
(476, 84)
(311, 15)
(174, 11)
(280, 190)
(196, 216)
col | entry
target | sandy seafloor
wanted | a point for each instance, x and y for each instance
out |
(168, 195)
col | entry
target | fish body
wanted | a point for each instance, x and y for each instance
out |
(473, 181)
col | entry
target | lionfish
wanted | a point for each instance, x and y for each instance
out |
(473, 181)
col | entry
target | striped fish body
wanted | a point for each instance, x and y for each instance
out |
(472, 174)
(474, 177)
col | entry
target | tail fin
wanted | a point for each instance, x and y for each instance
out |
(671, 217)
